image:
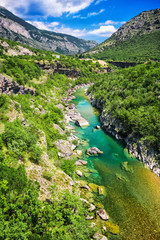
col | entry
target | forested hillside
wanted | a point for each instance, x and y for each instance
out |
(131, 103)
(37, 199)
(136, 40)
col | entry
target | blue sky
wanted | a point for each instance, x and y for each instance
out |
(88, 19)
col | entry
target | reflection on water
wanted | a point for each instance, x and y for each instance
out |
(133, 192)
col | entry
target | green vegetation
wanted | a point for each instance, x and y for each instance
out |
(23, 216)
(27, 140)
(138, 48)
(131, 96)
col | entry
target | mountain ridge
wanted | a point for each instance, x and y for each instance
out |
(16, 29)
(144, 26)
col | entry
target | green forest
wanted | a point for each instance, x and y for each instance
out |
(131, 96)
(136, 49)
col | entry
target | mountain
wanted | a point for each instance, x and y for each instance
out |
(16, 29)
(139, 39)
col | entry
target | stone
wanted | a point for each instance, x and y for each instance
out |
(94, 151)
(85, 187)
(82, 122)
(81, 162)
(97, 127)
(102, 214)
(60, 130)
(79, 152)
(89, 217)
(79, 173)
(92, 208)
(99, 236)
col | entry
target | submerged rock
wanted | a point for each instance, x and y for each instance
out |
(102, 190)
(94, 151)
(93, 186)
(112, 228)
(102, 214)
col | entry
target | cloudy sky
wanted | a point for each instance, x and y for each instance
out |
(89, 19)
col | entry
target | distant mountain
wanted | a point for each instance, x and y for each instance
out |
(138, 39)
(16, 29)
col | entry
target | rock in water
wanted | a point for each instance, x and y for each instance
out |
(82, 122)
(94, 151)
(81, 162)
(103, 215)
(79, 173)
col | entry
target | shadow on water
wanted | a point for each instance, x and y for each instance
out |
(133, 192)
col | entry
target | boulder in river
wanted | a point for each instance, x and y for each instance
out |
(94, 151)
(102, 214)
(99, 236)
(79, 173)
(82, 122)
(81, 162)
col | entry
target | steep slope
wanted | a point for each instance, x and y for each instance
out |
(137, 39)
(16, 29)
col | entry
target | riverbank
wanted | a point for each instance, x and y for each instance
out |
(131, 191)
(134, 146)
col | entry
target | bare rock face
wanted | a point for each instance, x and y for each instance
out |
(94, 151)
(103, 215)
(8, 86)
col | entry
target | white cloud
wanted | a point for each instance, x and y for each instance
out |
(110, 22)
(89, 14)
(43, 25)
(98, 1)
(95, 13)
(49, 7)
(70, 31)
(105, 31)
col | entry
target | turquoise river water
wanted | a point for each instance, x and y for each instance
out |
(133, 194)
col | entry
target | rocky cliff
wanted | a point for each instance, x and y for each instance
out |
(8, 86)
(135, 146)
(16, 29)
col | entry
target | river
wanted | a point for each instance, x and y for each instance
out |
(133, 192)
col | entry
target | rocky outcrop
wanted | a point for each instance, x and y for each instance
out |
(8, 86)
(135, 146)
(65, 148)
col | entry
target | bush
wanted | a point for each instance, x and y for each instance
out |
(68, 167)
(47, 175)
